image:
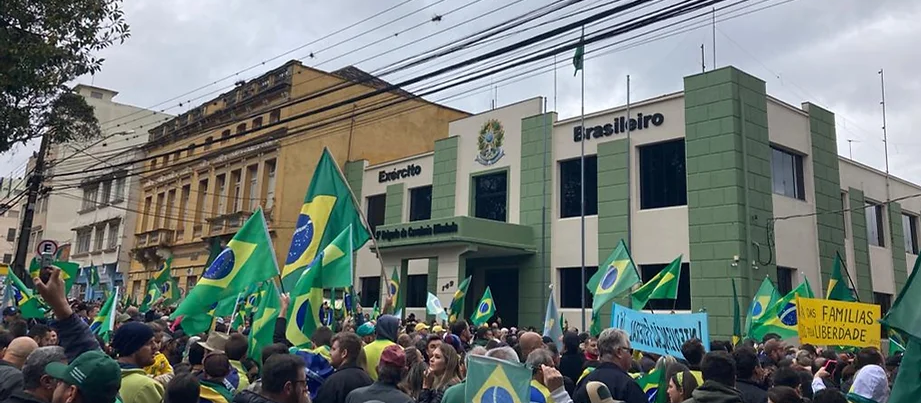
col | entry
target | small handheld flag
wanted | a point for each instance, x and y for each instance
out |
(484, 310)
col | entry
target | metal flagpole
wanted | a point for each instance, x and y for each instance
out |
(882, 91)
(543, 198)
(629, 174)
(582, 184)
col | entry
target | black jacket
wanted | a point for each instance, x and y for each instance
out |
(751, 391)
(621, 385)
(75, 336)
(23, 397)
(10, 380)
(247, 396)
(571, 364)
(340, 383)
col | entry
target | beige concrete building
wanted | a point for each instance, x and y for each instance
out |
(10, 192)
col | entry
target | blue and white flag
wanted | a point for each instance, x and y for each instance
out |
(433, 307)
(552, 328)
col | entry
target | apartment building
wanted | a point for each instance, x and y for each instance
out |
(210, 168)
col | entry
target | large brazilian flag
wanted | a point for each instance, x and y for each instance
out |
(494, 380)
(247, 259)
(327, 211)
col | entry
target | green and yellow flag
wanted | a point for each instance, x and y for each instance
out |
(93, 276)
(69, 271)
(393, 289)
(736, 316)
(493, 380)
(766, 296)
(780, 318)
(664, 285)
(485, 309)
(104, 322)
(578, 60)
(614, 277)
(905, 317)
(652, 384)
(248, 259)
(327, 211)
(837, 285)
(457, 303)
(260, 333)
(332, 268)
(29, 306)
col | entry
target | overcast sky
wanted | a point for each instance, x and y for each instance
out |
(823, 51)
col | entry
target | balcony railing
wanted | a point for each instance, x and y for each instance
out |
(227, 223)
(157, 237)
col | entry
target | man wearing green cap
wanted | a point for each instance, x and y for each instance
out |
(92, 377)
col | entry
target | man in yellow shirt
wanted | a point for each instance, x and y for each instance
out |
(236, 351)
(385, 332)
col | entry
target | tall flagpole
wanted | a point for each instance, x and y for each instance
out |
(629, 174)
(582, 181)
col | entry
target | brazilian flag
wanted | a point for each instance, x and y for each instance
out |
(766, 296)
(104, 322)
(247, 259)
(457, 303)
(837, 285)
(616, 277)
(327, 211)
(736, 316)
(780, 318)
(25, 300)
(153, 292)
(493, 380)
(330, 269)
(170, 290)
(393, 288)
(69, 271)
(484, 310)
(663, 286)
(260, 333)
(651, 383)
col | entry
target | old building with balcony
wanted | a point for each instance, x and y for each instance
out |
(256, 146)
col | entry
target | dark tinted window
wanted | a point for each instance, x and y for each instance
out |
(683, 302)
(491, 196)
(663, 180)
(416, 290)
(785, 280)
(570, 187)
(377, 206)
(370, 290)
(571, 286)
(420, 203)
(787, 174)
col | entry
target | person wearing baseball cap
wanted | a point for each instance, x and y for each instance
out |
(390, 369)
(11, 314)
(422, 329)
(92, 377)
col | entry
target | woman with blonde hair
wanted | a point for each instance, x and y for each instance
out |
(442, 373)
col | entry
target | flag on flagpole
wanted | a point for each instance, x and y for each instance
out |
(837, 285)
(553, 329)
(905, 317)
(248, 258)
(22, 296)
(595, 328)
(260, 333)
(484, 310)
(331, 268)
(579, 58)
(104, 322)
(736, 316)
(393, 289)
(433, 307)
(664, 285)
(616, 276)
(457, 303)
(780, 318)
(766, 296)
(327, 211)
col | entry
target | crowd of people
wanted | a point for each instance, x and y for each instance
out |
(148, 359)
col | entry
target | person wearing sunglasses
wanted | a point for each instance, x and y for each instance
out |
(616, 357)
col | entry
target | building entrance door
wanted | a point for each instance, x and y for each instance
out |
(503, 283)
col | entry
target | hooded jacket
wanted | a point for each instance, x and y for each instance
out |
(870, 385)
(10, 379)
(715, 392)
(386, 329)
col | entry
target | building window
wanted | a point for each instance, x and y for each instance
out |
(166, 160)
(184, 197)
(571, 286)
(113, 235)
(377, 207)
(490, 196)
(158, 212)
(221, 195)
(910, 233)
(83, 240)
(200, 200)
(95, 94)
(89, 197)
(416, 290)
(237, 201)
(120, 188)
(145, 215)
(257, 122)
(683, 301)
(11, 234)
(370, 290)
(168, 215)
(785, 279)
(570, 187)
(420, 203)
(843, 216)
(885, 302)
(208, 141)
(153, 164)
(787, 174)
(190, 282)
(252, 173)
(106, 192)
(270, 185)
(190, 150)
(99, 238)
(663, 181)
(7, 258)
(875, 234)
(274, 116)
(241, 128)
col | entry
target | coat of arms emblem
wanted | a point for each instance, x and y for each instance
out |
(490, 142)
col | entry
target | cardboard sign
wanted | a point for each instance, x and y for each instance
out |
(839, 323)
(661, 333)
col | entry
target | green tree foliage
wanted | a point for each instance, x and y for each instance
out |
(44, 46)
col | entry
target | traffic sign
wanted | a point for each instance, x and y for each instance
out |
(47, 247)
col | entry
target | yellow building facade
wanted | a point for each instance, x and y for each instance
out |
(253, 147)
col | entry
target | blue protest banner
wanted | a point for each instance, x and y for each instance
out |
(661, 333)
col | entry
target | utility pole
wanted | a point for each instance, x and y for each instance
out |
(25, 229)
